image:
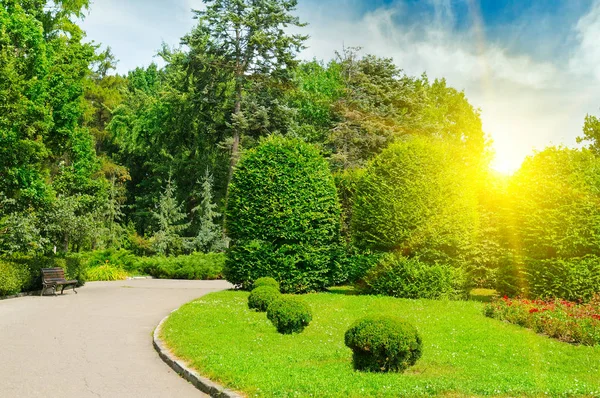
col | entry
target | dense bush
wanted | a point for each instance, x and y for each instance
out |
(195, 266)
(118, 258)
(10, 280)
(24, 273)
(266, 281)
(283, 217)
(417, 197)
(261, 297)
(559, 319)
(300, 267)
(351, 264)
(106, 272)
(571, 279)
(383, 344)
(399, 276)
(289, 315)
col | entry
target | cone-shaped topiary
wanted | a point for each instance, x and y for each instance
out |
(283, 217)
(261, 297)
(383, 344)
(289, 314)
(266, 281)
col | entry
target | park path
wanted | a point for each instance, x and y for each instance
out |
(97, 343)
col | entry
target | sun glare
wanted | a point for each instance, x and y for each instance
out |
(506, 163)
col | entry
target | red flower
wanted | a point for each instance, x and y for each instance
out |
(532, 310)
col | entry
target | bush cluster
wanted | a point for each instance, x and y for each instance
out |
(399, 276)
(283, 217)
(197, 266)
(560, 319)
(106, 272)
(289, 314)
(261, 297)
(383, 344)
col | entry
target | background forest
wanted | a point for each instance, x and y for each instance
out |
(100, 168)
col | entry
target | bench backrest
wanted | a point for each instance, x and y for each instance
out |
(49, 274)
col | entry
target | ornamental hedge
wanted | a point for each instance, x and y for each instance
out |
(283, 217)
(289, 315)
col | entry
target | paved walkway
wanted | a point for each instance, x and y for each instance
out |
(94, 344)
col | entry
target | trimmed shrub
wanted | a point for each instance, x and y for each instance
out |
(416, 197)
(197, 266)
(289, 315)
(283, 217)
(106, 272)
(266, 281)
(399, 276)
(383, 344)
(261, 297)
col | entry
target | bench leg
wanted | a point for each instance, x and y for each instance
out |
(43, 288)
(54, 290)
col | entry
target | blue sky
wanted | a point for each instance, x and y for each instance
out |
(531, 66)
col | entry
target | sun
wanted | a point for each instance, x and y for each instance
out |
(506, 162)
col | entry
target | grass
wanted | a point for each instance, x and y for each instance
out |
(465, 353)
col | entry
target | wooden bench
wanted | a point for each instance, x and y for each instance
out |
(53, 277)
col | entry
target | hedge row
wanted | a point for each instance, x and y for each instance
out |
(23, 273)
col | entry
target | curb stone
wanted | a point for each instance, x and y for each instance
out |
(201, 383)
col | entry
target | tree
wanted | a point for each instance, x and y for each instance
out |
(247, 40)
(169, 216)
(210, 234)
(591, 133)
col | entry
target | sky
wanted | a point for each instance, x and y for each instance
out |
(531, 66)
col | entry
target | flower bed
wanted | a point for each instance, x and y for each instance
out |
(563, 320)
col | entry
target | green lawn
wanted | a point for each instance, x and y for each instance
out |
(465, 353)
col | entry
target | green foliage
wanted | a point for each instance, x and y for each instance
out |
(383, 344)
(415, 198)
(197, 266)
(24, 273)
(282, 217)
(266, 281)
(351, 264)
(399, 276)
(106, 272)
(570, 279)
(289, 314)
(261, 297)
(11, 282)
(210, 234)
(120, 258)
(169, 216)
(591, 133)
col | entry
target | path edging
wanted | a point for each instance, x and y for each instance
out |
(203, 384)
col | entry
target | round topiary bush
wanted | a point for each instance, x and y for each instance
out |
(266, 281)
(283, 217)
(289, 315)
(383, 344)
(261, 297)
